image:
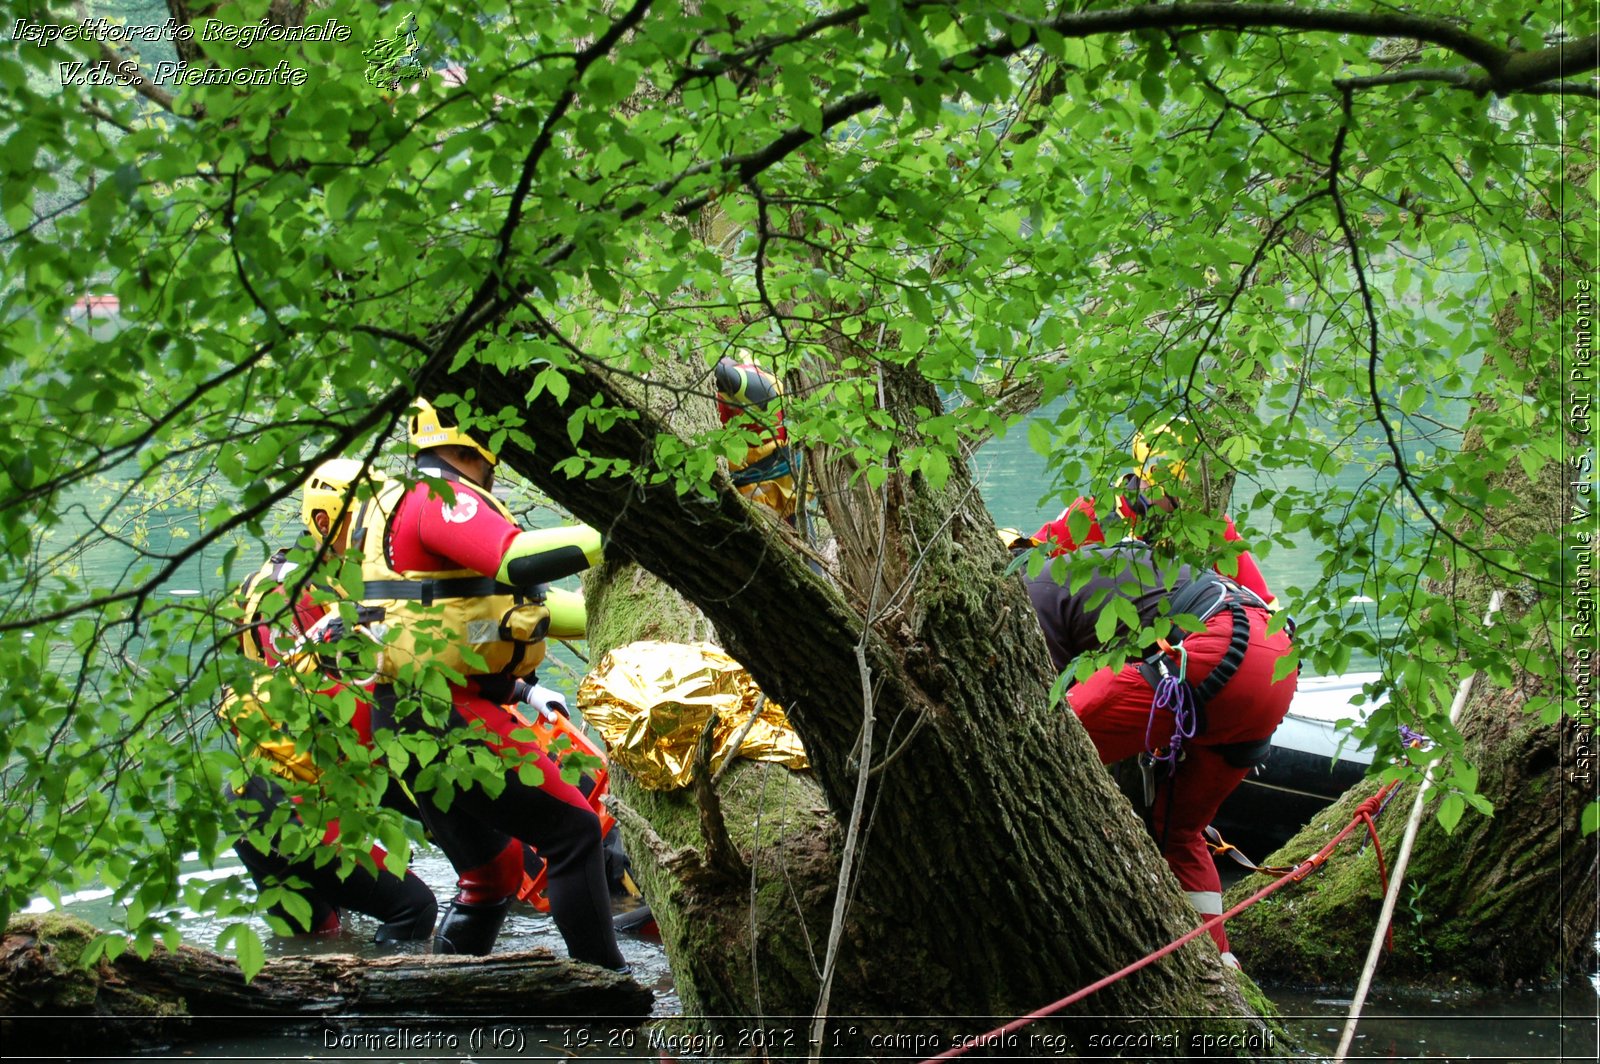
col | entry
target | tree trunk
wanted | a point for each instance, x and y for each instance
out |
(738, 947)
(1002, 869)
(1504, 900)
(193, 993)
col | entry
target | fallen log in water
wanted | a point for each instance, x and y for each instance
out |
(50, 1000)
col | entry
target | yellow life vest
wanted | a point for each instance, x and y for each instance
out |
(448, 611)
(251, 597)
(766, 476)
(279, 753)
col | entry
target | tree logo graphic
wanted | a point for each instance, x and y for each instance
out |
(391, 60)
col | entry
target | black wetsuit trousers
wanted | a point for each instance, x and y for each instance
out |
(404, 903)
(552, 817)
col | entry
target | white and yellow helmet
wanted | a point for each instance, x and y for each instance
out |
(429, 430)
(1150, 452)
(327, 488)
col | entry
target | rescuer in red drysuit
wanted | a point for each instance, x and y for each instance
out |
(1198, 707)
(462, 569)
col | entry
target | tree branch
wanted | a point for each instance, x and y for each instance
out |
(852, 834)
(1402, 470)
(1477, 80)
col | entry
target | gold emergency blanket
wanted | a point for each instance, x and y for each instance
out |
(650, 701)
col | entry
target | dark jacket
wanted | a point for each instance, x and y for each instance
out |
(1127, 570)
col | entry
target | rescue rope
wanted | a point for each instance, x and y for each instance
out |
(1173, 693)
(1363, 814)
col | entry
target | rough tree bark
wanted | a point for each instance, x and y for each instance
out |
(1003, 868)
(193, 993)
(1501, 901)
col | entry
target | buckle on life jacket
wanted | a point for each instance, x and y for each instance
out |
(1251, 753)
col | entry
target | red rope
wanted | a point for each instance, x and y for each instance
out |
(1363, 812)
(1383, 875)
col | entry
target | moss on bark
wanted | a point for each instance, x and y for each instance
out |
(1502, 900)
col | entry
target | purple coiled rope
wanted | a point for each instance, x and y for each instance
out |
(1175, 694)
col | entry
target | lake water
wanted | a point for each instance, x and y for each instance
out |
(1508, 1026)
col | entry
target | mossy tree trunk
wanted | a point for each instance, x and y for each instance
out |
(1502, 900)
(1002, 869)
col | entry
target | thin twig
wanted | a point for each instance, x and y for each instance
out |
(737, 744)
(841, 900)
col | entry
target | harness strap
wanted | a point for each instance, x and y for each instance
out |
(427, 591)
(1187, 701)
(358, 527)
(777, 464)
(1218, 677)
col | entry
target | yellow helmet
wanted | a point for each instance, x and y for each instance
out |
(326, 489)
(429, 430)
(1147, 456)
(1013, 539)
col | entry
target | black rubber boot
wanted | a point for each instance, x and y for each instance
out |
(470, 927)
(408, 929)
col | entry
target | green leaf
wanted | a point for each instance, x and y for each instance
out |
(918, 303)
(298, 908)
(247, 948)
(1105, 626)
(1040, 439)
(1078, 523)
(605, 285)
(339, 197)
(1450, 810)
(1058, 688)
(1286, 664)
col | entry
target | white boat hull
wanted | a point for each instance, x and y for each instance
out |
(1313, 762)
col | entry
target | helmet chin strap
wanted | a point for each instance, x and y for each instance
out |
(1132, 492)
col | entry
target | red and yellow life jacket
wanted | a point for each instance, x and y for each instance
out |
(766, 475)
(439, 616)
(262, 642)
(278, 751)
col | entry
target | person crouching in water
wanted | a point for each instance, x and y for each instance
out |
(463, 588)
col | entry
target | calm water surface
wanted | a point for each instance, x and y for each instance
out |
(1508, 1026)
